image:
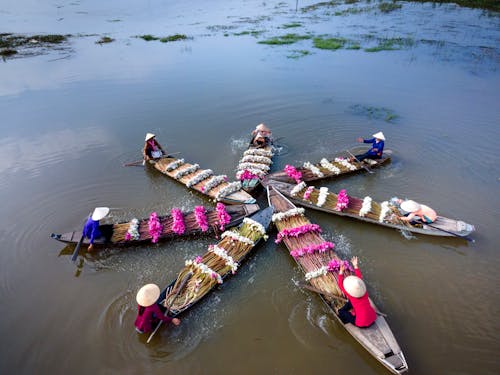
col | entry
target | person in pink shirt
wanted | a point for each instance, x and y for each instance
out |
(421, 211)
(149, 313)
(358, 310)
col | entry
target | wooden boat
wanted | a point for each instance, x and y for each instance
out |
(115, 233)
(203, 181)
(327, 168)
(213, 267)
(443, 226)
(377, 339)
(254, 166)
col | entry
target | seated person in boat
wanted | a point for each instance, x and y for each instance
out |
(91, 228)
(149, 313)
(262, 136)
(417, 211)
(152, 149)
(355, 290)
(377, 149)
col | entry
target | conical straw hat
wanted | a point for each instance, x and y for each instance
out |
(148, 295)
(354, 286)
(149, 136)
(100, 213)
(410, 206)
(379, 135)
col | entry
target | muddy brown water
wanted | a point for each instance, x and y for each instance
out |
(72, 116)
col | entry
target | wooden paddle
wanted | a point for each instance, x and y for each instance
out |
(342, 299)
(78, 245)
(183, 283)
(361, 163)
(141, 161)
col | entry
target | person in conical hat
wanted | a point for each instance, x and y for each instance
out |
(377, 149)
(91, 227)
(417, 210)
(262, 136)
(148, 310)
(358, 310)
(152, 149)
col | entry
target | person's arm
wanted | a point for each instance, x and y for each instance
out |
(161, 148)
(368, 140)
(160, 315)
(407, 218)
(354, 261)
(145, 151)
(341, 279)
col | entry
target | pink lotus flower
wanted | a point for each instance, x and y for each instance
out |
(342, 200)
(178, 226)
(308, 192)
(298, 231)
(247, 175)
(198, 259)
(128, 237)
(223, 217)
(201, 218)
(311, 249)
(334, 265)
(292, 172)
(155, 227)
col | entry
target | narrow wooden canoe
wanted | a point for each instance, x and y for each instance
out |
(328, 168)
(114, 234)
(203, 181)
(377, 339)
(213, 267)
(443, 226)
(254, 166)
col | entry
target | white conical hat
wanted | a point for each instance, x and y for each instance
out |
(263, 128)
(354, 286)
(379, 135)
(100, 213)
(149, 136)
(410, 206)
(148, 295)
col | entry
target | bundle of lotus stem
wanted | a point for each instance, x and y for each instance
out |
(201, 282)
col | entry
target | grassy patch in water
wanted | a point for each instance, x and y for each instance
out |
(147, 37)
(298, 53)
(7, 52)
(354, 46)
(291, 25)
(391, 44)
(481, 4)
(388, 7)
(104, 40)
(353, 10)
(254, 33)
(173, 38)
(377, 113)
(313, 7)
(329, 43)
(285, 39)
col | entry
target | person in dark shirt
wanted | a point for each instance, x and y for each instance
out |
(152, 149)
(148, 311)
(377, 149)
(91, 228)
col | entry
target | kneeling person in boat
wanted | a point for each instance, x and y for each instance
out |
(152, 149)
(377, 149)
(418, 211)
(355, 290)
(261, 136)
(91, 228)
(149, 313)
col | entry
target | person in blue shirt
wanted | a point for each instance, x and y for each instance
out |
(377, 149)
(91, 228)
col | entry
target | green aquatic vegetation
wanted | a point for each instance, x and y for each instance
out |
(254, 33)
(377, 113)
(115, 20)
(291, 25)
(350, 1)
(391, 44)
(51, 38)
(354, 46)
(285, 39)
(216, 28)
(481, 4)
(104, 40)
(147, 37)
(8, 40)
(388, 7)
(7, 52)
(173, 38)
(298, 53)
(354, 10)
(329, 43)
(313, 7)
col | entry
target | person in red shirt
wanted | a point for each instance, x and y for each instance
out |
(354, 288)
(149, 313)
